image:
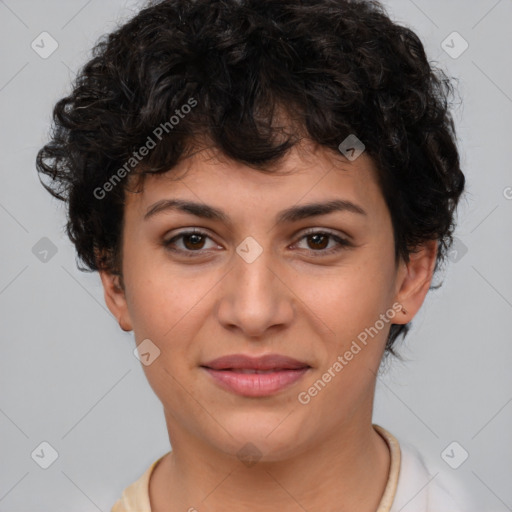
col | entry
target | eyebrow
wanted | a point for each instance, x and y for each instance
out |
(292, 214)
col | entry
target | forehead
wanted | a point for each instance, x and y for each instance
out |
(307, 173)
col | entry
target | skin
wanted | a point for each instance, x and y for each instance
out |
(292, 300)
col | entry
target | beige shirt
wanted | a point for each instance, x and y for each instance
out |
(135, 498)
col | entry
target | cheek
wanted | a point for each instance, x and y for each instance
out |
(164, 314)
(159, 296)
(354, 297)
(350, 302)
(169, 308)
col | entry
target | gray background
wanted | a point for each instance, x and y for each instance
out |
(68, 375)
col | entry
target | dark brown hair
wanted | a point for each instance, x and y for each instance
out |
(333, 67)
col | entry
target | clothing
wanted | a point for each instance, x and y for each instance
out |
(411, 487)
(426, 487)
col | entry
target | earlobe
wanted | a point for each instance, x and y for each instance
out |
(415, 278)
(115, 299)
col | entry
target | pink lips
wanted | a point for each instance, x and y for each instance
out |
(255, 376)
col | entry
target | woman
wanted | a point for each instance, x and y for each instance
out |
(266, 189)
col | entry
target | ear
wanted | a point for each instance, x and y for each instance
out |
(414, 279)
(115, 299)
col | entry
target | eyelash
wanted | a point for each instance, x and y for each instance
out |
(342, 243)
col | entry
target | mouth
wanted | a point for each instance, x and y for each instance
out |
(255, 377)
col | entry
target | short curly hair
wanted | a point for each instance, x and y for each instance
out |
(333, 67)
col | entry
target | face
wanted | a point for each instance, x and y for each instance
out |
(264, 275)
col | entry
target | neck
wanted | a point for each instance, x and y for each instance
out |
(347, 471)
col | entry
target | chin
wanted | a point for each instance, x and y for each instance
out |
(263, 436)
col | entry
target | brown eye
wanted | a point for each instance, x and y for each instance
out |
(319, 241)
(193, 241)
(189, 243)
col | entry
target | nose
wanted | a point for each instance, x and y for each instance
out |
(255, 297)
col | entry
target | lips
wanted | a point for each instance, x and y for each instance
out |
(255, 376)
(264, 363)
